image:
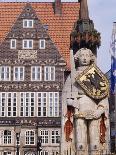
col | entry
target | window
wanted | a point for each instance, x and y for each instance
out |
(49, 73)
(44, 153)
(47, 104)
(27, 101)
(42, 44)
(27, 23)
(27, 44)
(8, 100)
(50, 101)
(18, 73)
(50, 137)
(13, 44)
(53, 104)
(2, 105)
(42, 104)
(55, 136)
(56, 104)
(11, 104)
(7, 153)
(5, 73)
(36, 73)
(44, 135)
(7, 137)
(30, 138)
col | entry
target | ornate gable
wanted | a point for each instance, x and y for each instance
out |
(33, 34)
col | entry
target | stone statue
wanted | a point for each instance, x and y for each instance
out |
(85, 120)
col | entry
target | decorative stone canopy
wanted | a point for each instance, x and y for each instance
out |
(84, 35)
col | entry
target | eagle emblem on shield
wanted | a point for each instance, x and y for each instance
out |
(93, 82)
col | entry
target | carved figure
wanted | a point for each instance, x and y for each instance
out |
(85, 119)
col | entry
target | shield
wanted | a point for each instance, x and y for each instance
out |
(93, 82)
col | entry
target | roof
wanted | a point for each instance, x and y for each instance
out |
(59, 27)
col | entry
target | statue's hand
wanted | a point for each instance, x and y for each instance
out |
(89, 114)
(97, 114)
(86, 114)
(72, 102)
(79, 115)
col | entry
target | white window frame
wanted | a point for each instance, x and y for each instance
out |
(11, 44)
(48, 104)
(7, 139)
(53, 104)
(7, 72)
(42, 104)
(50, 72)
(55, 136)
(36, 73)
(40, 44)
(28, 23)
(27, 41)
(8, 102)
(26, 104)
(13, 104)
(44, 136)
(18, 73)
(3, 104)
(29, 136)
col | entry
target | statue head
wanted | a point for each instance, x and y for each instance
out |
(84, 57)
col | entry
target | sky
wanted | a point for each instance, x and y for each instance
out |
(103, 14)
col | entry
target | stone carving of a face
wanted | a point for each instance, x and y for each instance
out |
(84, 56)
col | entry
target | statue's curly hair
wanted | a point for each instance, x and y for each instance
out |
(77, 55)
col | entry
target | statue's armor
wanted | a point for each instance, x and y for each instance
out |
(86, 128)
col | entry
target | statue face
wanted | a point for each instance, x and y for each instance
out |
(84, 57)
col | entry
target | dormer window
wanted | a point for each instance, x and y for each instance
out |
(27, 23)
(42, 44)
(13, 43)
(27, 44)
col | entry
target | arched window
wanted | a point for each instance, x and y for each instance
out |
(7, 136)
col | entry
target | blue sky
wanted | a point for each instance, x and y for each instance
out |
(103, 14)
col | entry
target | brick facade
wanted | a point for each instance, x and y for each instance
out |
(27, 58)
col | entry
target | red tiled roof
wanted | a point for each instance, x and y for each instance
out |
(59, 26)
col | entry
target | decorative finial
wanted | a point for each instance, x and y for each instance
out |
(84, 13)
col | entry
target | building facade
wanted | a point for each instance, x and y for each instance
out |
(32, 76)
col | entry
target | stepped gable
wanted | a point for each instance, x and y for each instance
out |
(59, 26)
